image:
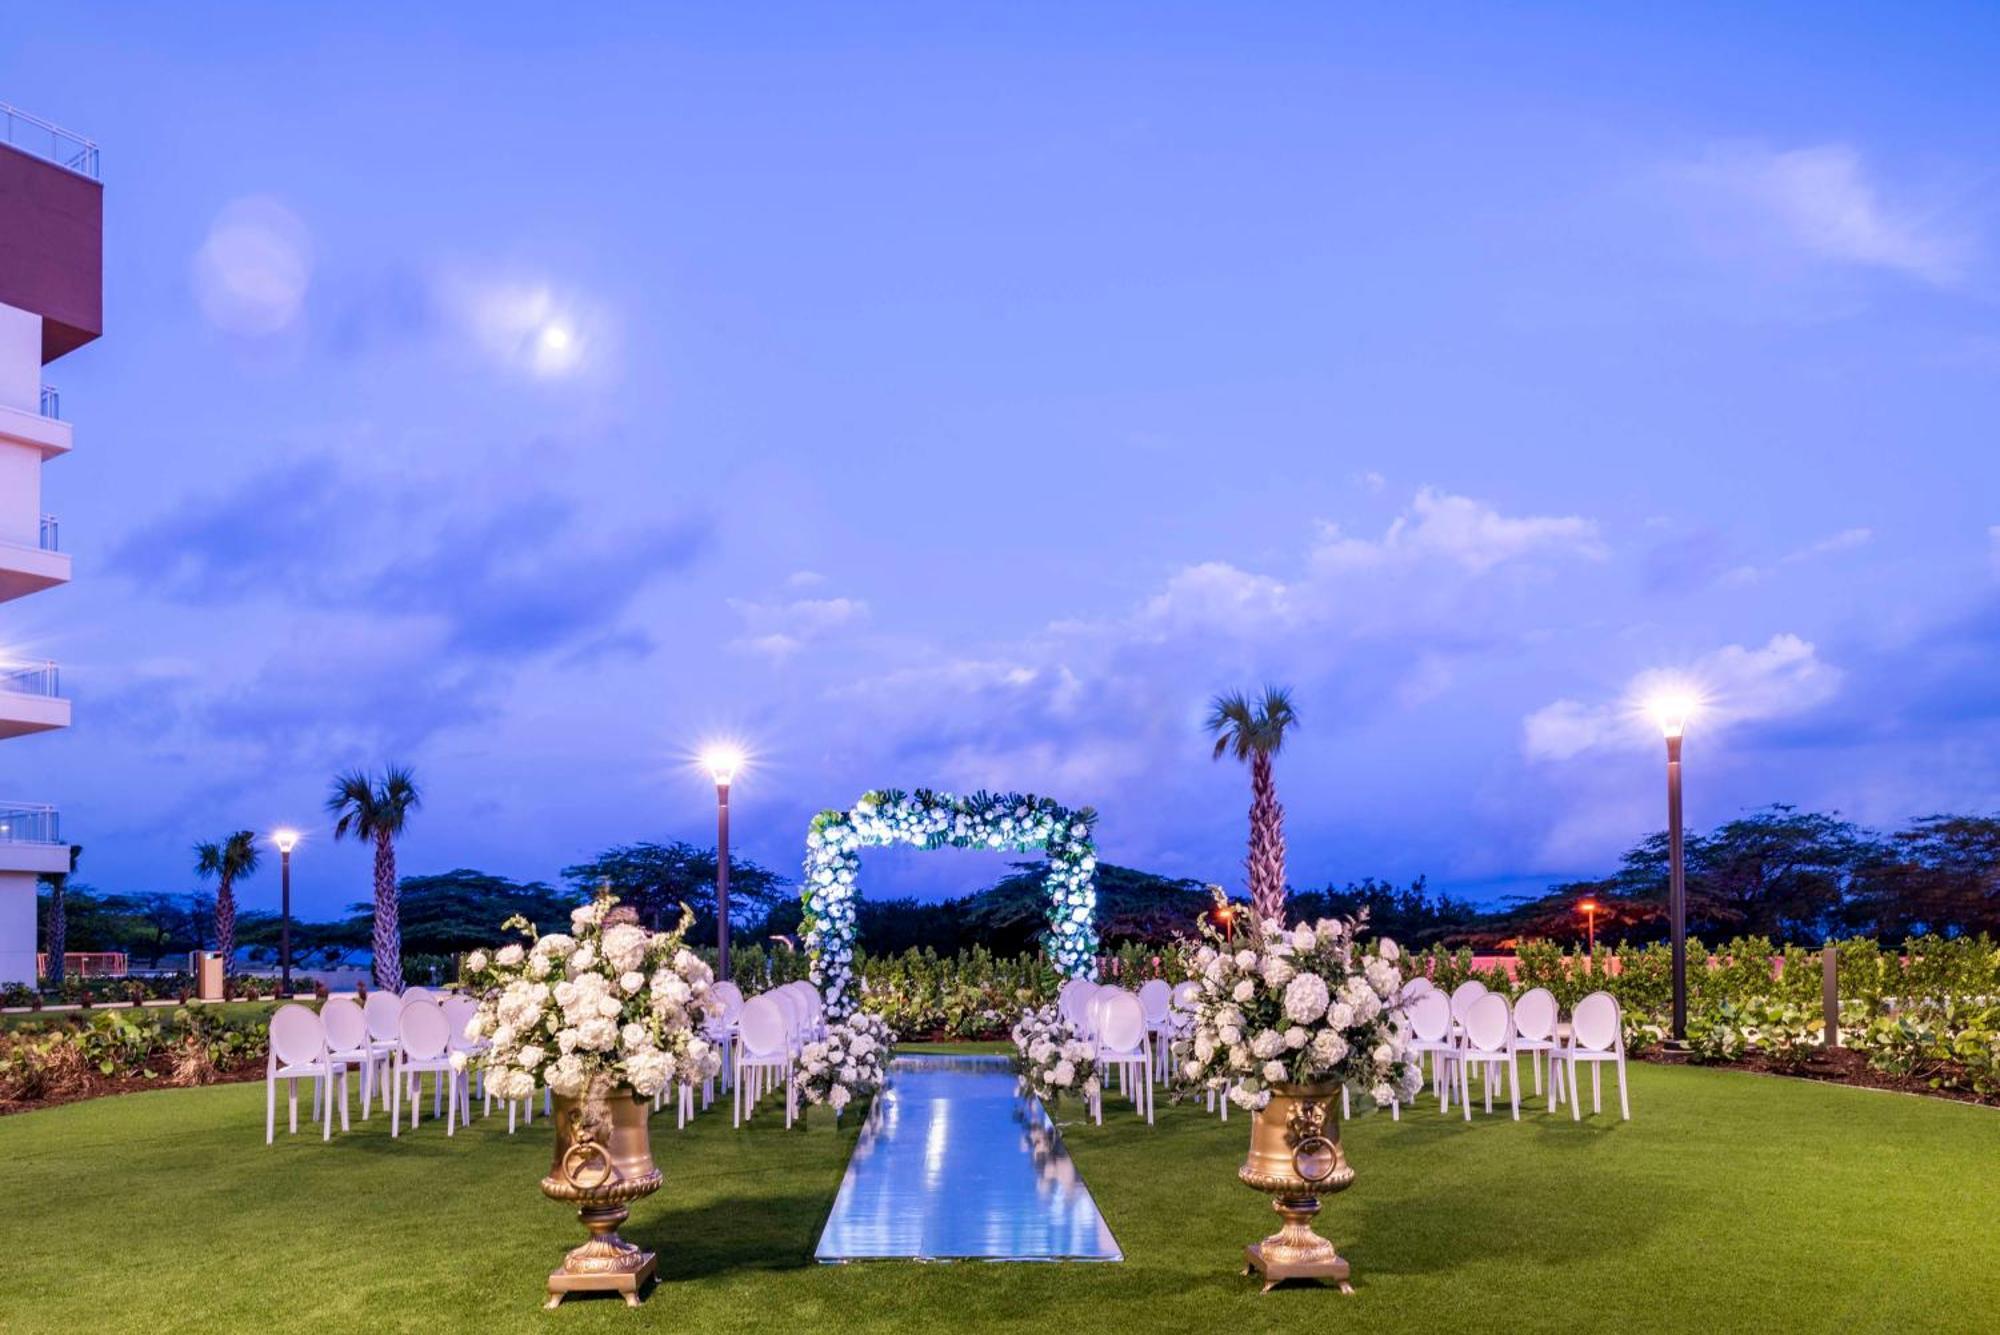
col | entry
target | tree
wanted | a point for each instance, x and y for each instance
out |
(1255, 732)
(378, 811)
(1940, 874)
(234, 857)
(656, 879)
(462, 910)
(57, 921)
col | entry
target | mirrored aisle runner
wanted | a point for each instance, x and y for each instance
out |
(954, 1164)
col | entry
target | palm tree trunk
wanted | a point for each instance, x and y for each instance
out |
(1267, 841)
(58, 931)
(225, 921)
(388, 940)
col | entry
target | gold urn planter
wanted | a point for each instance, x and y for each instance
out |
(603, 1162)
(1295, 1157)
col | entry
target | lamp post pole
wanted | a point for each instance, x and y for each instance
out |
(285, 839)
(1676, 883)
(722, 875)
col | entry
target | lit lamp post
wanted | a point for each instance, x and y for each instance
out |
(1672, 713)
(722, 762)
(285, 840)
(1589, 907)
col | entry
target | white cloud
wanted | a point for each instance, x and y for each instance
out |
(778, 630)
(1821, 200)
(1844, 541)
(1733, 684)
(252, 271)
(1217, 596)
(1462, 531)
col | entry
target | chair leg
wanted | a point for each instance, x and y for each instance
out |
(270, 1108)
(345, 1126)
(1624, 1100)
(395, 1102)
(292, 1089)
(1514, 1086)
(1596, 1088)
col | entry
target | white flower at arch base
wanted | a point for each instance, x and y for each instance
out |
(611, 1004)
(1309, 1004)
(1052, 1058)
(1010, 822)
(848, 1063)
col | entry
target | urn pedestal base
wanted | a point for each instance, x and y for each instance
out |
(629, 1283)
(1295, 1157)
(605, 1264)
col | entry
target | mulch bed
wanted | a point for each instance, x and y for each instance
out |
(98, 1086)
(1837, 1066)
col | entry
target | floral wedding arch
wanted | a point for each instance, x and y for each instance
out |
(1002, 821)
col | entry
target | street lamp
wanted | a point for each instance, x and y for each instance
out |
(722, 760)
(1589, 907)
(285, 839)
(1671, 711)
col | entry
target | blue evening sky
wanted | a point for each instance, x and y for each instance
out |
(960, 395)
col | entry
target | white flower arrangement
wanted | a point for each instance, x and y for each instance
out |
(1052, 1058)
(848, 1063)
(1309, 1004)
(608, 1004)
(1005, 821)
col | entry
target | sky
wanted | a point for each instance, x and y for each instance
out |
(960, 396)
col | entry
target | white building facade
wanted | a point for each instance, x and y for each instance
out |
(51, 303)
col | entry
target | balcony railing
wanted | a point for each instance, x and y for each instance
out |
(52, 402)
(51, 534)
(32, 134)
(29, 823)
(31, 679)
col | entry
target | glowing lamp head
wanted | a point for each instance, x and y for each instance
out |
(1671, 712)
(286, 839)
(723, 762)
(1588, 906)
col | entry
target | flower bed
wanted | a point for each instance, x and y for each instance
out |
(118, 1051)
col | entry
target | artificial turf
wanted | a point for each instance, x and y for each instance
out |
(1732, 1203)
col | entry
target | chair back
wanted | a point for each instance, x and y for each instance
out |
(1430, 1016)
(1121, 1020)
(1464, 995)
(411, 994)
(1594, 1025)
(729, 994)
(791, 1010)
(346, 1027)
(1075, 1002)
(384, 1011)
(1414, 988)
(426, 1033)
(1156, 998)
(458, 1012)
(1487, 1023)
(763, 1027)
(1185, 995)
(1535, 1014)
(297, 1036)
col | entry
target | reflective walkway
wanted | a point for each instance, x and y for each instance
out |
(954, 1164)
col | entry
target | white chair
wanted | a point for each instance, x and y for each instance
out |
(458, 1012)
(1489, 1044)
(1156, 999)
(1430, 1032)
(1415, 987)
(721, 1031)
(298, 1051)
(411, 994)
(1462, 998)
(1535, 1031)
(1596, 1036)
(425, 1048)
(1122, 1046)
(347, 1042)
(763, 1052)
(383, 1011)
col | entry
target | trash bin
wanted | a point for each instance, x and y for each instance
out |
(208, 975)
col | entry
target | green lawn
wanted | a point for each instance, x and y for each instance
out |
(233, 1011)
(1733, 1203)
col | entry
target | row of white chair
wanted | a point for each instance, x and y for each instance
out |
(1475, 1027)
(391, 1041)
(1121, 1027)
(767, 1034)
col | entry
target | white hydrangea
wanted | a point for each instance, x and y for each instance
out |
(1306, 998)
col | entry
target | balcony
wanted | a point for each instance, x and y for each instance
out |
(31, 699)
(41, 430)
(52, 402)
(25, 570)
(48, 141)
(31, 839)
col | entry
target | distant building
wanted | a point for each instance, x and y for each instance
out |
(51, 303)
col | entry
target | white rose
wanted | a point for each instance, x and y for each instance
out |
(1244, 990)
(510, 955)
(530, 1057)
(476, 960)
(632, 982)
(1274, 1071)
(1390, 950)
(1296, 1038)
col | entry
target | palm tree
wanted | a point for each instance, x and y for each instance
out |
(57, 926)
(1254, 731)
(378, 811)
(235, 856)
